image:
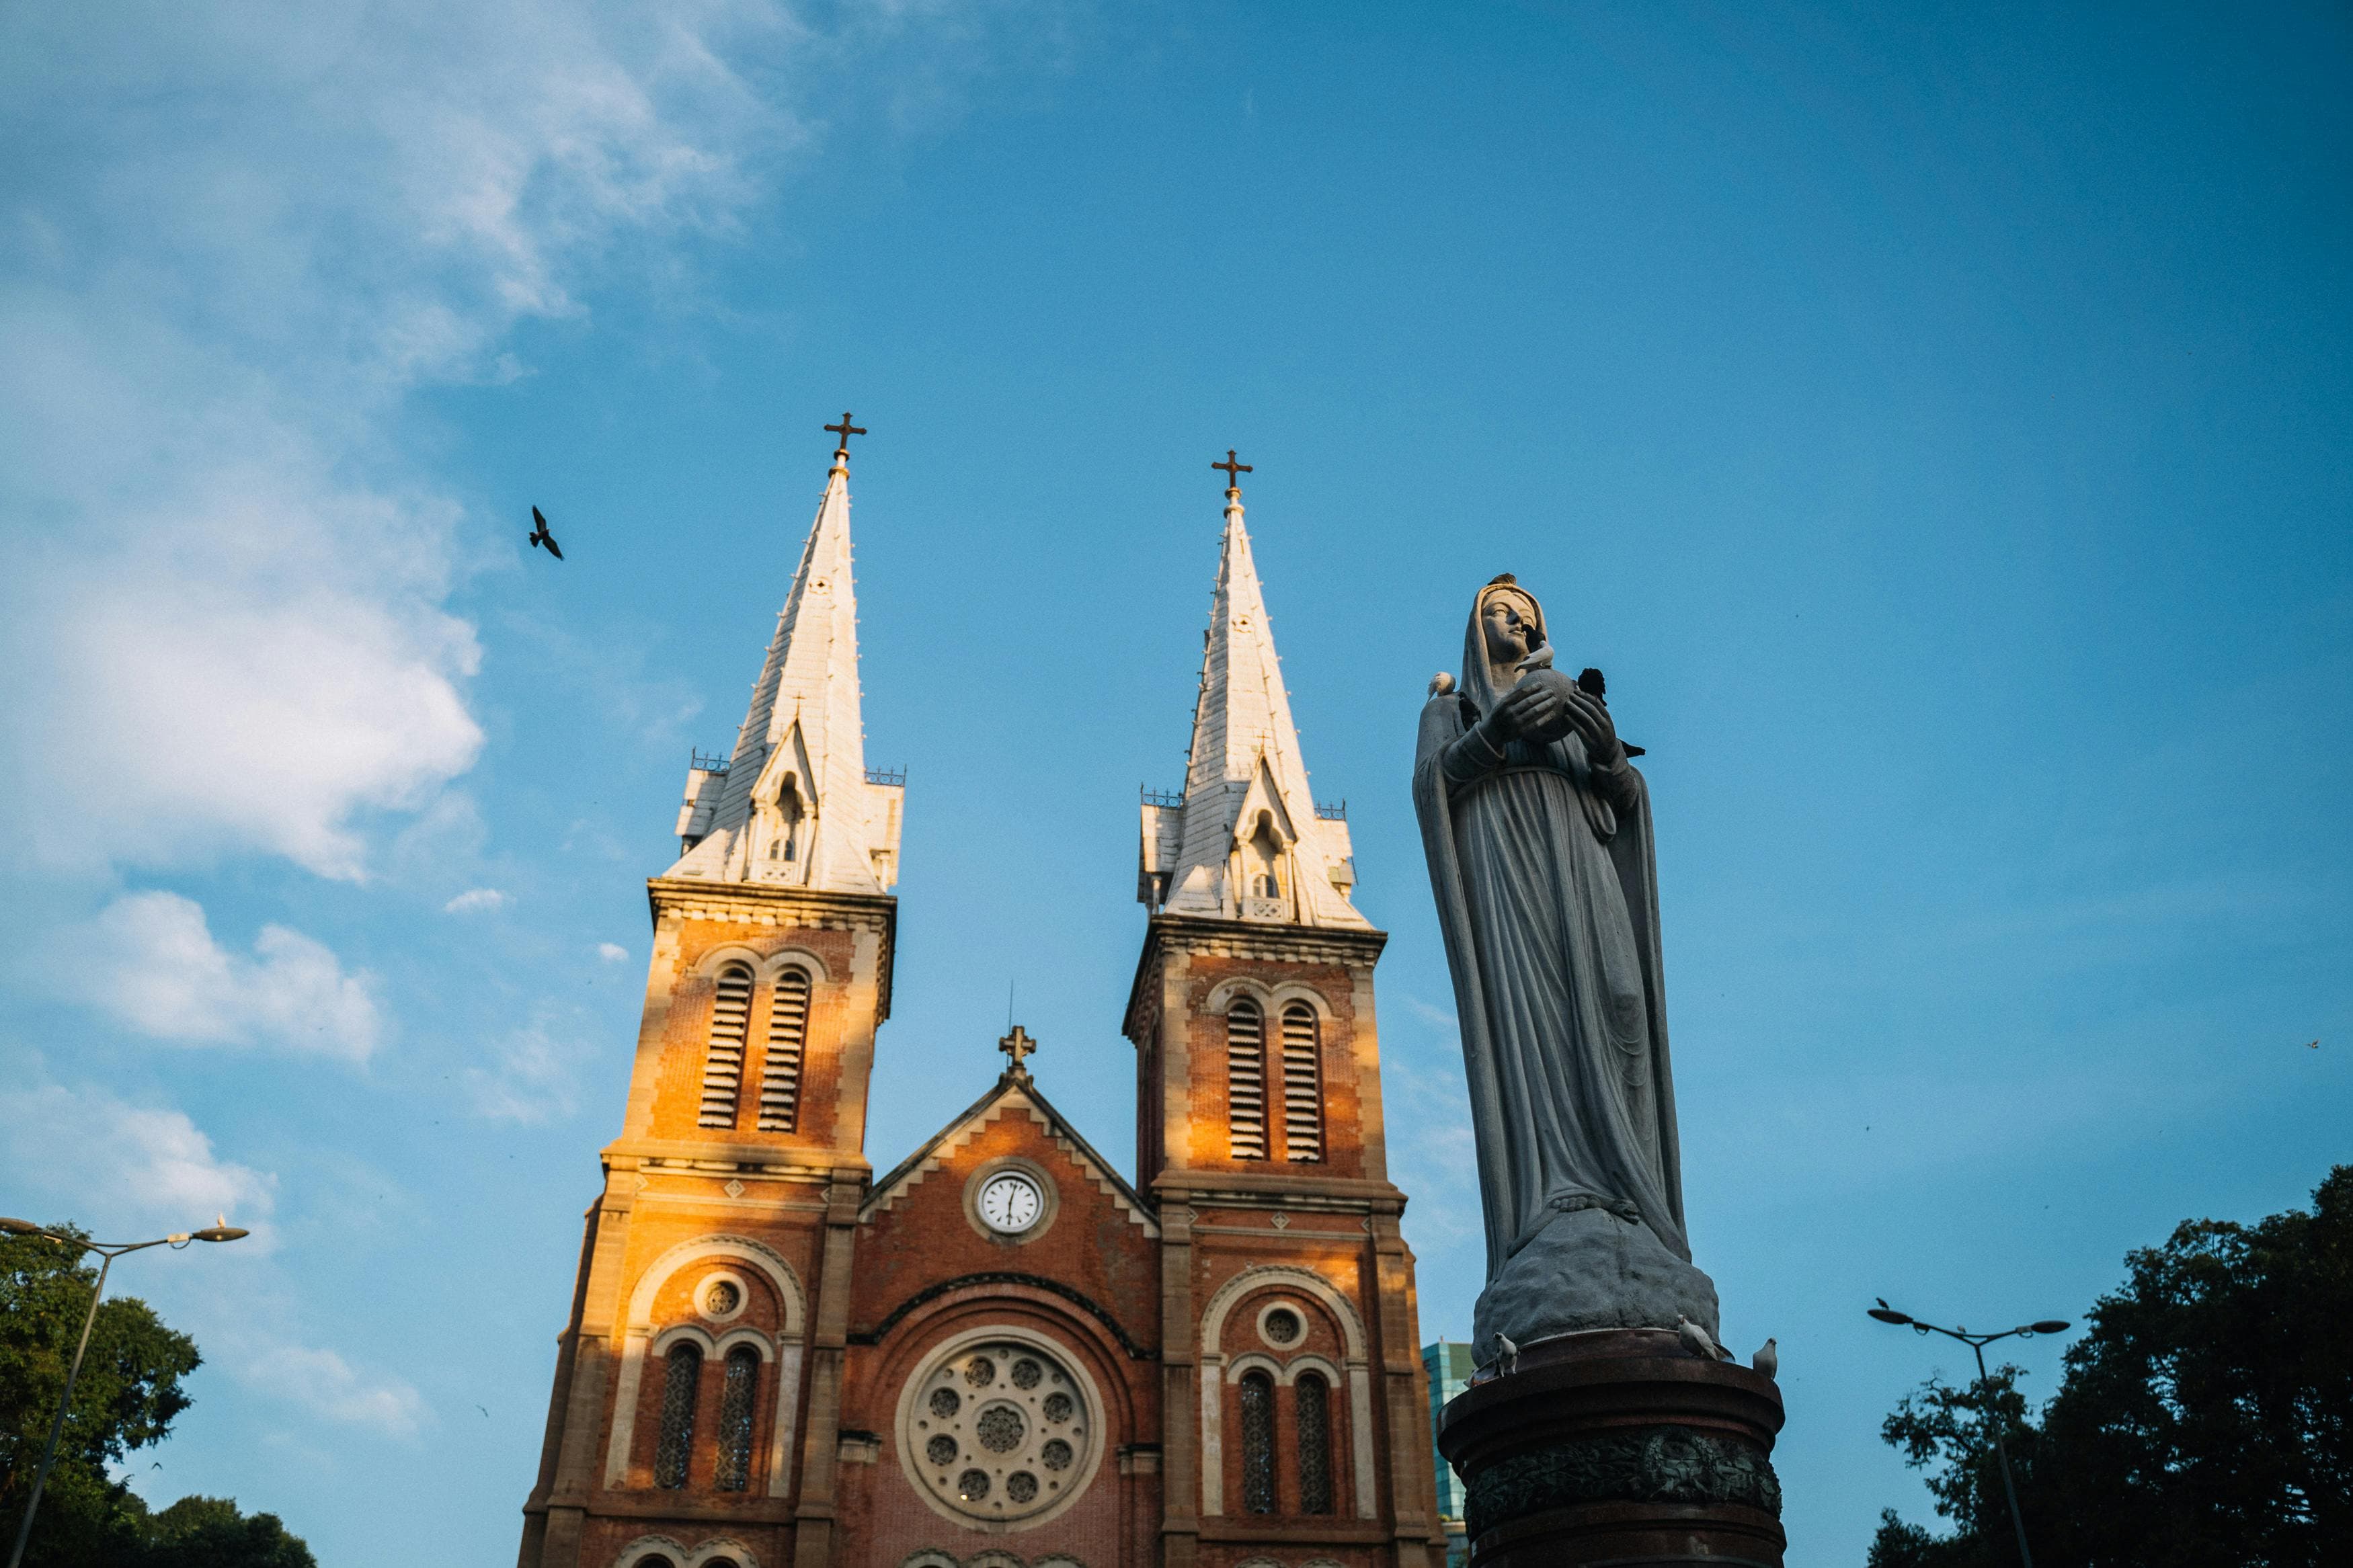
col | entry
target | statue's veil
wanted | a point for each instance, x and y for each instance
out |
(1478, 685)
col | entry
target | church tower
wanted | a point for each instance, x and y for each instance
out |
(705, 1344)
(1297, 1411)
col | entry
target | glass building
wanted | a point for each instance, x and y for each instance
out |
(1449, 1366)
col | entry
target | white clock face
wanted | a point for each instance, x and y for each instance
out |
(1010, 1203)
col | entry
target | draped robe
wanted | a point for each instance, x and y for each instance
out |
(1547, 897)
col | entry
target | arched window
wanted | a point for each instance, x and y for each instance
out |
(1245, 1080)
(1258, 1441)
(1302, 1100)
(679, 1385)
(735, 1419)
(723, 1066)
(1313, 1398)
(780, 1070)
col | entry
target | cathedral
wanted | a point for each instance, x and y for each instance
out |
(1001, 1353)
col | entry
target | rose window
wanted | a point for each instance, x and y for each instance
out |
(1001, 1431)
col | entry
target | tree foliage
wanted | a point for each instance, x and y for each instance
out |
(129, 1391)
(2206, 1416)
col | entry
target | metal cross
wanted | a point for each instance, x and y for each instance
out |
(1015, 1046)
(1234, 472)
(846, 430)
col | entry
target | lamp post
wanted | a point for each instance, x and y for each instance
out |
(1978, 1342)
(110, 1250)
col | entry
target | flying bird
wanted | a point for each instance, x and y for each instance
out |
(1696, 1341)
(1768, 1359)
(2312, 1045)
(540, 536)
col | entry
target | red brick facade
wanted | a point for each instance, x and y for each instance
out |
(760, 1323)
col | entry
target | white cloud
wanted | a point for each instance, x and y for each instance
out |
(150, 960)
(612, 953)
(532, 1076)
(323, 1383)
(119, 1167)
(476, 899)
(224, 589)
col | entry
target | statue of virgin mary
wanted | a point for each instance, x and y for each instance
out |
(1538, 835)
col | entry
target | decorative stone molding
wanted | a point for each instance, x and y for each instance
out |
(648, 1549)
(899, 1183)
(637, 1336)
(930, 1293)
(1678, 1465)
(1359, 1377)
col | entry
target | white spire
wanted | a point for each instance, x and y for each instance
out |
(1246, 842)
(794, 805)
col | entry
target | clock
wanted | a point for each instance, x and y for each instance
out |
(1010, 1203)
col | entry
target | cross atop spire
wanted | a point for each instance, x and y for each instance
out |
(1015, 1046)
(846, 430)
(1233, 470)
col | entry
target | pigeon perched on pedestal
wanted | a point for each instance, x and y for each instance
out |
(1696, 1341)
(1768, 1359)
(1507, 1354)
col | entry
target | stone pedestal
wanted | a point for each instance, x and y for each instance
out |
(1619, 1448)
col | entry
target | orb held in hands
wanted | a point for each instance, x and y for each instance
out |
(1538, 833)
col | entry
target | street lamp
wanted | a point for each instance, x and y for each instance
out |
(1977, 1342)
(110, 1250)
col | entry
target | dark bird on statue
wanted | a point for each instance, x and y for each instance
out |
(540, 537)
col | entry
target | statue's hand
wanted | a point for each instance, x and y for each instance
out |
(1530, 708)
(1590, 717)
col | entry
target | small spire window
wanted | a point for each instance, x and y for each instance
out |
(722, 1062)
(1264, 860)
(780, 1068)
(1302, 1100)
(681, 1382)
(1245, 1080)
(785, 843)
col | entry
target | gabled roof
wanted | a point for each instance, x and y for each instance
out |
(803, 737)
(1245, 770)
(1015, 1092)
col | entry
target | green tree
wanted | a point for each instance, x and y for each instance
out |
(209, 1532)
(128, 1392)
(2206, 1416)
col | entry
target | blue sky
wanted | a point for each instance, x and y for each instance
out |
(1937, 423)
